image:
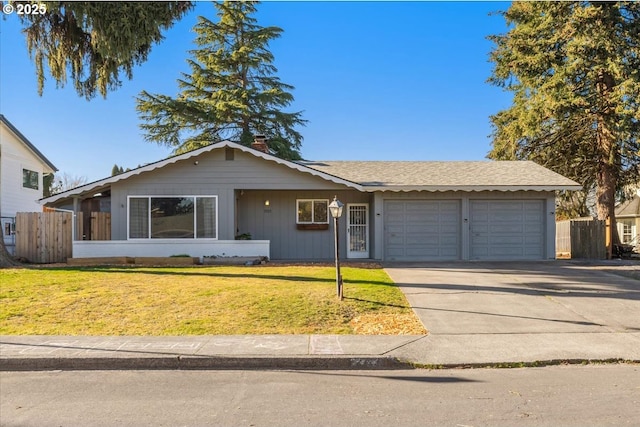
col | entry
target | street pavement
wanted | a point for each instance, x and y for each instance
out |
(477, 314)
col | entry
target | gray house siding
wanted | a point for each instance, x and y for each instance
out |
(277, 222)
(213, 175)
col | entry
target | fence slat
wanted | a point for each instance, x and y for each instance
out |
(581, 238)
(44, 237)
(100, 226)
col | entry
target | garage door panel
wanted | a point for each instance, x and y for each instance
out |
(507, 229)
(507, 240)
(424, 240)
(534, 240)
(420, 230)
(449, 240)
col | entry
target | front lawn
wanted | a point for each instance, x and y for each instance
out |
(201, 301)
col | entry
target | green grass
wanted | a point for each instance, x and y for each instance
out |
(201, 300)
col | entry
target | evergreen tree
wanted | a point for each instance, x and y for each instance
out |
(96, 42)
(116, 170)
(574, 70)
(231, 92)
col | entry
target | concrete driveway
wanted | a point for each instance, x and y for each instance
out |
(489, 312)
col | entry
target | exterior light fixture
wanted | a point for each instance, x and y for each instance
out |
(335, 207)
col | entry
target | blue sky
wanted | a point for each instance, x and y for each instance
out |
(376, 81)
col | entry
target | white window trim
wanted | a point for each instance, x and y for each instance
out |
(195, 214)
(312, 211)
(630, 234)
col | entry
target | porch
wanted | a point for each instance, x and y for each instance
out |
(170, 247)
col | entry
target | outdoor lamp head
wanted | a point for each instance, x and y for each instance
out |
(336, 207)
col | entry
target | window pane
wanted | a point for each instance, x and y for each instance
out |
(206, 218)
(320, 208)
(138, 217)
(172, 217)
(305, 211)
(29, 179)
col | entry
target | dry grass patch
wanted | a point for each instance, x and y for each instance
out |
(201, 301)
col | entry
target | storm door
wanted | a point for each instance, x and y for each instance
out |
(357, 230)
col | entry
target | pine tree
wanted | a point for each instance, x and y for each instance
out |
(96, 42)
(232, 92)
(574, 70)
(116, 170)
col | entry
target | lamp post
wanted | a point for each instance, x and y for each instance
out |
(335, 207)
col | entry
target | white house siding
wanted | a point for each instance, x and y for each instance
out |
(536, 229)
(14, 157)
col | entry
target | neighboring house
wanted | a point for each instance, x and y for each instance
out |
(22, 170)
(200, 202)
(628, 221)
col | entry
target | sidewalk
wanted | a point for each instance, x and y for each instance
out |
(19, 353)
(335, 352)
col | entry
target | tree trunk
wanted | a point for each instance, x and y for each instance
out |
(607, 179)
(6, 260)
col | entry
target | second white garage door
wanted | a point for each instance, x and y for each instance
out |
(422, 230)
(506, 229)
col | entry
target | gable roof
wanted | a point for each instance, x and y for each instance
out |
(630, 208)
(102, 184)
(447, 176)
(380, 175)
(27, 143)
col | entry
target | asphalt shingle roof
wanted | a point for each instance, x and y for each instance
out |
(629, 208)
(443, 175)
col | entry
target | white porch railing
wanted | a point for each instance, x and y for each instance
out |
(169, 247)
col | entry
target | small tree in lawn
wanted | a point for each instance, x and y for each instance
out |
(231, 92)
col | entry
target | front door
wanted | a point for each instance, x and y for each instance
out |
(357, 230)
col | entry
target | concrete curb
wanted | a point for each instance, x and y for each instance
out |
(203, 363)
(535, 364)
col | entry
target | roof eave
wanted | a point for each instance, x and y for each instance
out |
(28, 144)
(470, 188)
(100, 184)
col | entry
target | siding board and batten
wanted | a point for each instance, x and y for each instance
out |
(214, 175)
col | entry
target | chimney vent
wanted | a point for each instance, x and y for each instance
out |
(260, 143)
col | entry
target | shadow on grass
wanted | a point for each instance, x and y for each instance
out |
(375, 302)
(190, 271)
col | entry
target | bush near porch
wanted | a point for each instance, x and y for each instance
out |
(201, 301)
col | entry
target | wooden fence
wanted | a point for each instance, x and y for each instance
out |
(581, 238)
(99, 227)
(44, 237)
(47, 237)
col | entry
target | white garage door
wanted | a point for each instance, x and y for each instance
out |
(422, 230)
(507, 230)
